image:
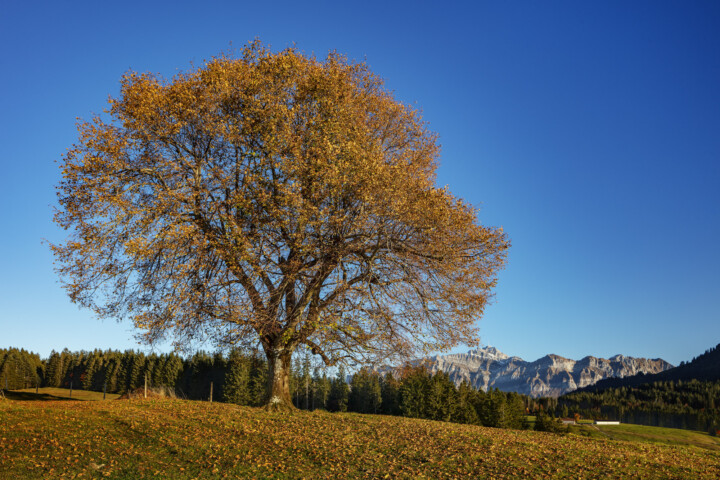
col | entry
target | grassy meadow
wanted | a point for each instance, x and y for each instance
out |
(667, 436)
(180, 439)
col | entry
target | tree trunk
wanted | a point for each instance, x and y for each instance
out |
(278, 386)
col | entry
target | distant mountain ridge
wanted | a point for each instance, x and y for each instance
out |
(705, 367)
(550, 376)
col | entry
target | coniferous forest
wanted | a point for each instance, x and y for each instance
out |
(690, 404)
(240, 377)
(687, 396)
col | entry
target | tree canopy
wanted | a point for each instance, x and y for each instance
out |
(272, 198)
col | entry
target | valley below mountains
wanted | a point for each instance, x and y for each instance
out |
(550, 376)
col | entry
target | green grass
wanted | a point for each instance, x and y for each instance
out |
(49, 393)
(585, 430)
(668, 436)
(179, 439)
(530, 420)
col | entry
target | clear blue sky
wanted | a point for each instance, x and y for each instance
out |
(589, 130)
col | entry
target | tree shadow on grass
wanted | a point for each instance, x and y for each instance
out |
(31, 396)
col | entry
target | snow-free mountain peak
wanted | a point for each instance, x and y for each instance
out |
(551, 375)
(489, 353)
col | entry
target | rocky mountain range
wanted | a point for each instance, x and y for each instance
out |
(704, 368)
(549, 376)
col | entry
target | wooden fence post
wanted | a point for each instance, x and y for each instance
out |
(211, 389)
(145, 384)
(70, 388)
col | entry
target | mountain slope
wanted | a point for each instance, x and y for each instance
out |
(551, 375)
(706, 368)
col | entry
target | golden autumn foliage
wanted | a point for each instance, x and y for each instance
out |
(276, 198)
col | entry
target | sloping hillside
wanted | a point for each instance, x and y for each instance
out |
(185, 439)
(705, 367)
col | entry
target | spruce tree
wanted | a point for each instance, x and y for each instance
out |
(53, 370)
(465, 412)
(390, 394)
(258, 380)
(414, 392)
(339, 392)
(441, 402)
(237, 381)
(365, 393)
(321, 389)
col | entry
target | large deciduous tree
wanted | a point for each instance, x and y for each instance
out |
(278, 198)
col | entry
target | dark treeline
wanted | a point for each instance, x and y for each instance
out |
(705, 367)
(415, 392)
(240, 377)
(121, 372)
(689, 404)
(687, 396)
(19, 369)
